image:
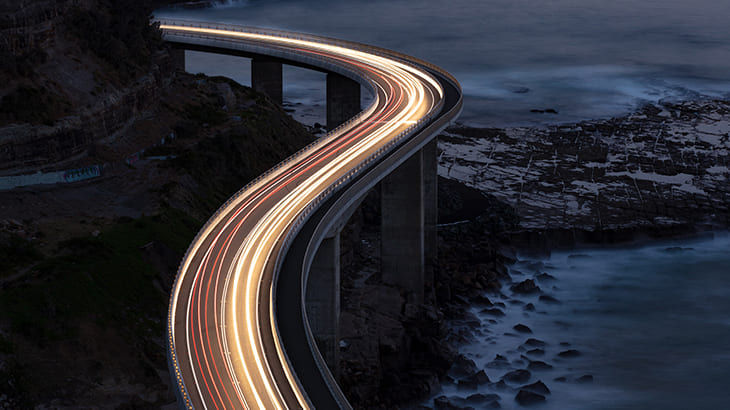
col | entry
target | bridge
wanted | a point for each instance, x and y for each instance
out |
(254, 309)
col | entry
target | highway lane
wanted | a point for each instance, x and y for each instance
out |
(225, 347)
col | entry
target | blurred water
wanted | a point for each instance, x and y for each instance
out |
(584, 58)
(651, 323)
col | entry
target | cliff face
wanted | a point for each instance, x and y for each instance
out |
(73, 72)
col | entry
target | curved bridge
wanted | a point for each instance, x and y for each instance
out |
(237, 327)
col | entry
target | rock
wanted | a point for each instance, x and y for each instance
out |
(545, 277)
(586, 378)
(522, 328)
(443, 403)
(479, 398)
(536, 352)
(527, 286)
(501, 385)
(517, 376)
(463, 366)
(499, 362)
(475, 380)
(492, 312)
(535, 343)
(538, 387)
(526, 398)
(529, 307)
(521, 90)
(479, 377)
(549, 299)
(569, 353)
(481, 300)
(561, 379)
(539, 365)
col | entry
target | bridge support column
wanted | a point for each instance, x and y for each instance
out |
(343, 99)
(323, 301)
(266, 78)
(402, 228)
(178, 58)
(429, 156)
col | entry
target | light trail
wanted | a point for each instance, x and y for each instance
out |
(224, 343)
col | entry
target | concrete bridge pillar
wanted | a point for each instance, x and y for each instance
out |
(266, 78)
(343, 99)
(409, 208)
(402, 228)
(429, 156)
(323, 301)
(178, 58)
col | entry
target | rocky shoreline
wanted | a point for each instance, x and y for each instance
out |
(661, 172)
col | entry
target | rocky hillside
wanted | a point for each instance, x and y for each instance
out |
(73, 72)
(86, 267)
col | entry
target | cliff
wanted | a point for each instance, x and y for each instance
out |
(86, 267)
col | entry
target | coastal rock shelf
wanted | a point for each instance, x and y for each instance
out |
(664, 168)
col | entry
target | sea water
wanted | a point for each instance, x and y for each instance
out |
(650, 323)
(586, 59)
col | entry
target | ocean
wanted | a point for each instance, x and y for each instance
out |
(586, 59)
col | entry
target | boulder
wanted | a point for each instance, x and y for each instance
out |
(493, 312)
(538, 387)
(539, 365)
(535, 343)
(569, 353)
(522, 328)
(586, 378)
(527, 286)
(517, 376)
(526, 398)
(549, 299)
(463, 366)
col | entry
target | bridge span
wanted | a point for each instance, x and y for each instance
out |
(241, 326)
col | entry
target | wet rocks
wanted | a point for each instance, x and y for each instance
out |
(545, 277)
(586, 378)
(517, 376)
(462, 367)
(473, 381)
(522, 328)
(549, 299)
(479, 398)
(539, 365)
(535, 343)
(538, 387)
(603, 180)
(569, 353)
(493, 312)
(499, 362)
(527, 398)
(527, 286)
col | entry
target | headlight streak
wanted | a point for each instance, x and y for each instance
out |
(405, 95)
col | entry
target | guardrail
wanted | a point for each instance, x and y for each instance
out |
(434, 120)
